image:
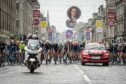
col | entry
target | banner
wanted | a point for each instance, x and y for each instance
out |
(69, 34)
(98, 23)
(36, 13)
(87, 35)
(36, 5)
(50, 30)
(50, 36)
(99, 30)
(73, 14)
(43, 30)
(43, 24)
(111, 17)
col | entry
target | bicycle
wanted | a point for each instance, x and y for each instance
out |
(2, 60)
(55, 57)
(18, 61)
(60, 56)
(65, 58)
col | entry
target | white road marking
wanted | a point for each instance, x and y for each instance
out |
(87, 79)
(84, 76)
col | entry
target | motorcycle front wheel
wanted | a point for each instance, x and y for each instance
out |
(31, 69)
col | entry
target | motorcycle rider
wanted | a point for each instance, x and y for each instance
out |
(32, 39)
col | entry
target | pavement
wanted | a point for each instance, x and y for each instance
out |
(64, 74)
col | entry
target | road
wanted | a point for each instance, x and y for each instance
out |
(64, 74)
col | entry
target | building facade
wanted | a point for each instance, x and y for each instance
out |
(120, 20)
(119, 28)
(94, 37)
(24, 16)
(110, 29)
(7, 17)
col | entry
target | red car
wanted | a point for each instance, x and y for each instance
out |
(95, 53)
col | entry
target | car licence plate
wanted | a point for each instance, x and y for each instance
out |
(95, 57)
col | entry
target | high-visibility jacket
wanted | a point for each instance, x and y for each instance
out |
(21, 46)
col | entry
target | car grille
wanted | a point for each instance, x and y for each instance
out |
(96, 54)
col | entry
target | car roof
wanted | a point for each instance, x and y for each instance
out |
(93, 44)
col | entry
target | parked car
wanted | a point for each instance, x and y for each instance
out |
(95, 53)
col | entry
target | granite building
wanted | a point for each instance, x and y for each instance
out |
(7, 17)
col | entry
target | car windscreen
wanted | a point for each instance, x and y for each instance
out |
(94, 47)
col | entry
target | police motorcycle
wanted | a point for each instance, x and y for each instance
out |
(32, 55)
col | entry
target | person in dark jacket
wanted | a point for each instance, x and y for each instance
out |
(2, 54)
(2, 46)
(12, 51)
(124, 53)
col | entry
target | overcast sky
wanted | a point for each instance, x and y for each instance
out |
(58, 10)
